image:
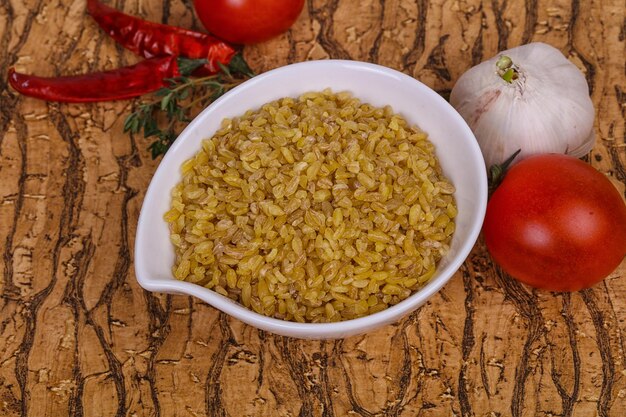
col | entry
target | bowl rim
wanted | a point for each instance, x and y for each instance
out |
(291, 328)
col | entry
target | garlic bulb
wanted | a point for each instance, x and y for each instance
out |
(530, 98)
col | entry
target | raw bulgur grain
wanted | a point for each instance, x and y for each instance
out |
(314, 209)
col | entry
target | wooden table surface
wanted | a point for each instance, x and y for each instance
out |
(79, 337)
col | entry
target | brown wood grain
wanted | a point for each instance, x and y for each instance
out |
(79, 337)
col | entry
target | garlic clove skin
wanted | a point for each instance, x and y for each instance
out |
(547, 109)
(584, 148)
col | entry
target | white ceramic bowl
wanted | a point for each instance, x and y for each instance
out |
(456, 149)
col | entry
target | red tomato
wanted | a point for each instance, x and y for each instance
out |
(247, 21)
(556, 223)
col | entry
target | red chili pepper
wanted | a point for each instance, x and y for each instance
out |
(126, 82)
(150, 39)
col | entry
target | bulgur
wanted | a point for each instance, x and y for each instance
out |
(314, 209)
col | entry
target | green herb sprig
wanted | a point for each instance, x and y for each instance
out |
(179, 102)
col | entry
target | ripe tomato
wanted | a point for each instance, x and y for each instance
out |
(247, 21)
(556, 223)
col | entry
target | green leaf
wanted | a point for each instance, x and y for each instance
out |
(239, 65)
(184, 93)
(165, 101)
(150, 128)
(131, 124)
(163, 91)
(171, 109)
(186, 66)
(224, 68)
(156, 149)
(182, 115)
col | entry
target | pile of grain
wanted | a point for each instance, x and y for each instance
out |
(314, 209)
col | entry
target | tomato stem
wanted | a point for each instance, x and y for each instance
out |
(498, 171)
